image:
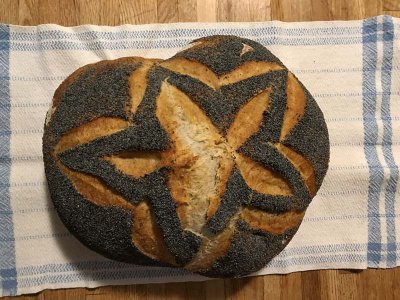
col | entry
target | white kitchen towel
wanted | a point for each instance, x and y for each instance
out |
(351, 68)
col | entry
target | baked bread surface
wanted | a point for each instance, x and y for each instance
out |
(206, 161)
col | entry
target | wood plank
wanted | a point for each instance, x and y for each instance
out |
(47, 12)
(311, 285)
(155, 291)
(372, 8)
(320, 10)
(223, 11)
(292, 286)
(255, 288)
(101, 293)
(328, 284)
(137, 292)
(392, 13)
(39, 296)
(291, 10)
(234, 289)
(373, 280)
(167, 11)
(187, 10)
(88, 13)
(273, 287)
(215, 289)
(356, 9)
(349, 285)
(68, 13)
(28, 13)
(396, 288)
(98, 291)
(175, 291)
(9, 12)
(389, 284)
(195, 290)
(391, 4)
(260, 10)
(243, 11)
(138, 11)
(206, 10)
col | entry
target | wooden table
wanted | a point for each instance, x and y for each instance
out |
(329, 284)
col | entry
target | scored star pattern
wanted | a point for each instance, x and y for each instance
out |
(241, 125)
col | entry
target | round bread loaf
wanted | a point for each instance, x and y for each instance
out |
(206, 161)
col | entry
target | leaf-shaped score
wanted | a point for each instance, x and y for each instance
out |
(247, 122)
(200, 157)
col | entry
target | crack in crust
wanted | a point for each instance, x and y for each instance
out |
(203, 150)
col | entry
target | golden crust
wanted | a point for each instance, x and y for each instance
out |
(212, 248)
(273, 223)
(136, 164)
(248, 120)
(85, 133)
(138, 83)
(296, 102)
(94, 189)
(196, 153)
(146, 235)
(260, 179)
(304, 166)
(201, 72)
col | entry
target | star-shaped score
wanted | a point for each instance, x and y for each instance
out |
(203, 150)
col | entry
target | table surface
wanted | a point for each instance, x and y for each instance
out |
(326, 284)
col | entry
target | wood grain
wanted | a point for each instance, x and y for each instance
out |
(391, 5)
(325, 284)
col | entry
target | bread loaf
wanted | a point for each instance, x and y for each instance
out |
(206, 161)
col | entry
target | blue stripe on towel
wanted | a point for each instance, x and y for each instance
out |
(390, 193)
(97, 266)
(370, 140)
(8, 273)
(43, 34)
(101, 45)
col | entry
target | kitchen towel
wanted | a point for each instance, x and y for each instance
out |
(351, 68)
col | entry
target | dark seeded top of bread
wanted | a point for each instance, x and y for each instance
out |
(206, 161)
